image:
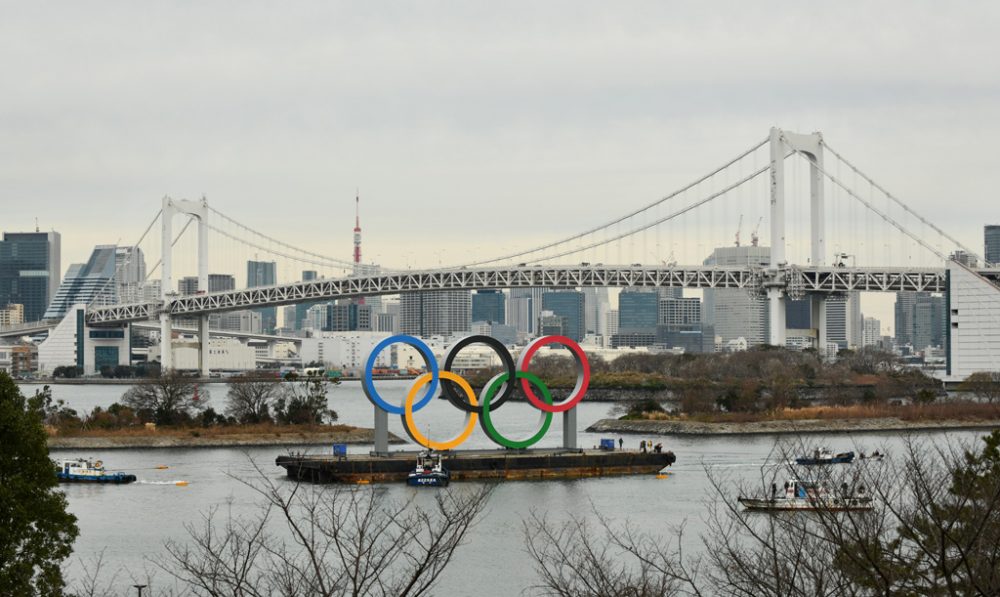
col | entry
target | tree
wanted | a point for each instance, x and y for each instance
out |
(933, 530)
(250, 396)
(169, 399)
(304, 403)
(343, 541)
(984, 384)
(36, 531)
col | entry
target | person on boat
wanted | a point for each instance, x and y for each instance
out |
(658, 448)
(621, 444)
(642, 445)
(774, 490)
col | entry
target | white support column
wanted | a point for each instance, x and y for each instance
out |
(569, 429)
(166, 283)
(776, 304)
(203, 368)
(817, 202)
(777, 198)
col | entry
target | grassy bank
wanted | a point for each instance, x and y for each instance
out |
(955, 411)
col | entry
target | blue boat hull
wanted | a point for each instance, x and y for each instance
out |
(429, 480)
(845, 458)
(115, 479)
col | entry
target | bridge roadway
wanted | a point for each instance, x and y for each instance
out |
(794, 280)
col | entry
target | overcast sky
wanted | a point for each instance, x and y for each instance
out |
(473, 126)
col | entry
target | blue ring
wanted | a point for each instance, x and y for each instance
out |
(429, 361)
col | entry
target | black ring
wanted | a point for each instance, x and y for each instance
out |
(506, 391)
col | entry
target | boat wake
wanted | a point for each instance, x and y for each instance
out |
(178, 482)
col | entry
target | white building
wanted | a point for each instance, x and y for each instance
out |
(348, 351)
(224, 354)
(97, 348)
(872, 333)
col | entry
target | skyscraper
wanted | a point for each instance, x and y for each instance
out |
(85, 281)
(130, 274)
(568, 304)
(731, 311)
(873, 332)
(438, 312)
(596, 303)
(29, 271)
(264, 273)
(638, 310)
(991, 238)
(489, 305)
(921, 320)
(525, 301)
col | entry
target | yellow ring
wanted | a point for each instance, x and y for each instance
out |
(411, 426)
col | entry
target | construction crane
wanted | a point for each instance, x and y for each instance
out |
(738, 228)
(754, 239)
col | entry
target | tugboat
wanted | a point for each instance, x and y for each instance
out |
(824, 456)
(83, 470)
(809, 495)
(429, 472)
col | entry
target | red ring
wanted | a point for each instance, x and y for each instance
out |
(582, 378)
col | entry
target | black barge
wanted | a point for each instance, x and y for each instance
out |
(556, 463)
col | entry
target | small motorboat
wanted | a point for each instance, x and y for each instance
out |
(808, 495)
(84, 470)
(824, 456)
(429, 472)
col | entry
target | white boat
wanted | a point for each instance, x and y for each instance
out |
(809, 495)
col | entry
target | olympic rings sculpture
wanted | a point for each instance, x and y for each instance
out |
(495, 393)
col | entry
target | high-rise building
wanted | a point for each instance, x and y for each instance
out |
(568, 304)
(872, 335)
(677, 312)
(596, 303)
(11, 315)
(991, 239)
(843, 320)
(187, 285)
(731, 311)
(301, 308)
(29, 271)
(489, 305)
(264, 273)
(349, 316)
(437, 312)
(638, 310)
(612, 320)
(84, 282)
(921, 320)
(130, 273)
(532, 306)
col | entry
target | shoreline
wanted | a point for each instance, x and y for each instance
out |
(787, 427)
(170, 439)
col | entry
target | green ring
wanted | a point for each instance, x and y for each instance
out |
(487, 424)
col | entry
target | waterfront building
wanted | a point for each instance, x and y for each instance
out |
(438, 312)
(502, 332)
(30, 267)
(973, 326)
(224, 354)
(612, 321)
(72, 342)
(678, 311)
(550, 324)
(348, 316)
(489, 305)
(568, 304)
(843, 320)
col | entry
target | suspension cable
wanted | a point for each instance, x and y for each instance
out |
(924, 220)
(334, 264)
(663, 219)
(340, 262)
(868, 204)
(622, 218)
